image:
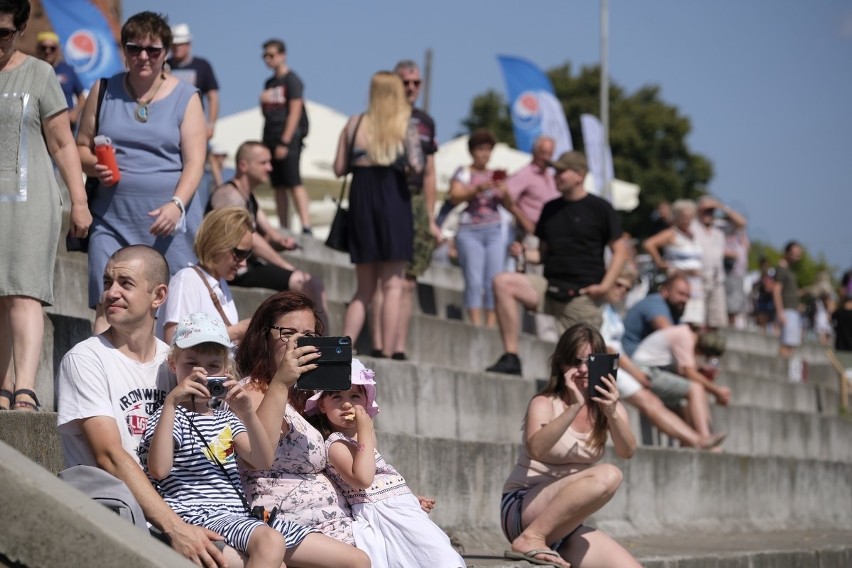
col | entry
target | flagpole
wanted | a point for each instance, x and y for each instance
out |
(605, 95)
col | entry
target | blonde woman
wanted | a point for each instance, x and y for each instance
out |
(222, 244)
(379, 147)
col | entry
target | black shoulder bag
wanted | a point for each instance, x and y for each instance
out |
(338, 233)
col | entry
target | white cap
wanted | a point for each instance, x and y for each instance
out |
(198, 328)
(181, 34)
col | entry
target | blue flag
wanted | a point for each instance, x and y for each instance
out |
(535, 109)
(87, 41)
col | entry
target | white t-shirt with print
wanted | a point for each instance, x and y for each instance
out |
(96, 379)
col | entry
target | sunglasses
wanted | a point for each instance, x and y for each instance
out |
(134, 50)
(48, 48)
(285, 333)
(7, 33)
(240, 254)
(411, 82)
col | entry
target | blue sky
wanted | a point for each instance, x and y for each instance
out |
(767, 84)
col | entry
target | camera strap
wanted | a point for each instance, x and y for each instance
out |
(212, 454)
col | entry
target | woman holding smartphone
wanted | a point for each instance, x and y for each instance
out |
(296, 487)
(480, 240)
(557, 482)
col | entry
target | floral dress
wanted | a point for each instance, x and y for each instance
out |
(297, 485)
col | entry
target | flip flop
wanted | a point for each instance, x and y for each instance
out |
(530, 556)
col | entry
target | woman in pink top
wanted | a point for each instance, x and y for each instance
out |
(558, 481)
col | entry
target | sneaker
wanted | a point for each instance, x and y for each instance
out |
(508, 363)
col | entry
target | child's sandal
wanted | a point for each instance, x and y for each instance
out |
(10, 396)
(25, 404)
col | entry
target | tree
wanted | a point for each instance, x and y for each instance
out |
(648, 137)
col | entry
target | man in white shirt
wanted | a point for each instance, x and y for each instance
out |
(111, 383)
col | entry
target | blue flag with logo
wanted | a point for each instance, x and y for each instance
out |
(87, 41)
(535, 109)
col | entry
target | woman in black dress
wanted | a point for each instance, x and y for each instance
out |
(383, 147)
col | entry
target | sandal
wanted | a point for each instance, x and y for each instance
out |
(25, 404)
(530, 556)
(8, 395)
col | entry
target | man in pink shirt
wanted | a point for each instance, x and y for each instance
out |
(532, 186)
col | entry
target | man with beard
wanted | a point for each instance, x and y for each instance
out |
(655, 312)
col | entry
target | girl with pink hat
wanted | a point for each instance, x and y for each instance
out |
(389, 523)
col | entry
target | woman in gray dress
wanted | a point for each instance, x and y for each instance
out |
(158, 129)
(35, 126)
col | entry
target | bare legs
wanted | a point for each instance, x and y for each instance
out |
(388, 275)
(591, 548)
(406, 309)
(667, 421)
(21, 336)
(300, 200)
(320, 551)
(552, 511)
(509, 289)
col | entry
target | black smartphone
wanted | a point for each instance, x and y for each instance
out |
(601, 365)
(334, 365)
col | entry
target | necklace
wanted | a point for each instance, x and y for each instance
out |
(141, 113)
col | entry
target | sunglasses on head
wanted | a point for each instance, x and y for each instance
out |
(240, 254)
(7, 33)
(411, 82)
(153, 51)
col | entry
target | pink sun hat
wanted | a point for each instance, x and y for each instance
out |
(361, 375)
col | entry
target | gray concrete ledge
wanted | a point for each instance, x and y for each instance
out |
(49, 523)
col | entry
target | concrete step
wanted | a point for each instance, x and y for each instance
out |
(75, 522)
(781, 549)
(663, 490)
(421, 397)
(749, 390)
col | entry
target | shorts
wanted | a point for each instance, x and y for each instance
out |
(791, 334)
(511, 507)
(579, 310)
(627, 384)
(670, 387)
(237, 528)
(424, 242)
(260, 275)
(285, 173)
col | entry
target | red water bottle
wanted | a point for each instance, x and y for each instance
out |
(105, 154)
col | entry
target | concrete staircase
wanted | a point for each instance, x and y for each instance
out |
(780, 494)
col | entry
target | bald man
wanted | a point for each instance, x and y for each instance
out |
(110, 384)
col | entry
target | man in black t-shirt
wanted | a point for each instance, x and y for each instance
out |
(574, 231)
(283, 105)
(196, 71)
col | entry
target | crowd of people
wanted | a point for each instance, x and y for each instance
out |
(263, 473)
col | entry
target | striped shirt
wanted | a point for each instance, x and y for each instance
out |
(195, 482)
